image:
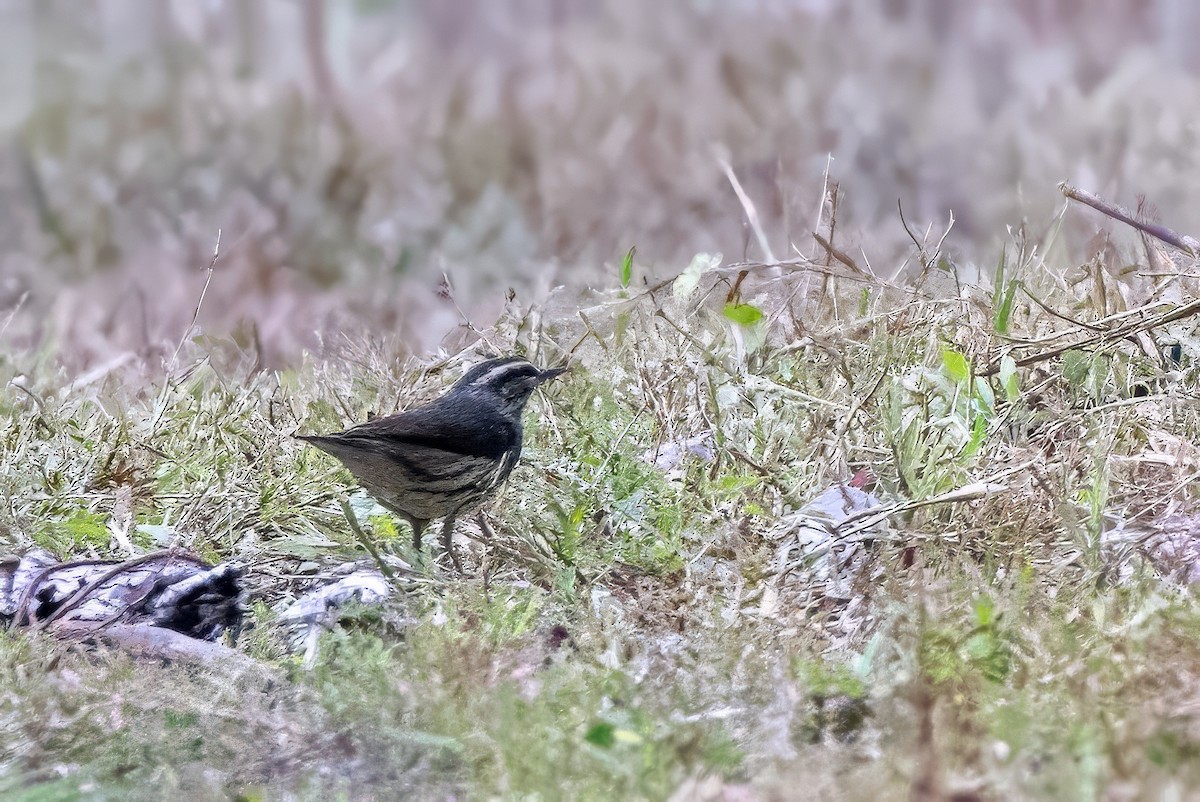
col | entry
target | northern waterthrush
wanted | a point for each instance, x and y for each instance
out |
(444, 458)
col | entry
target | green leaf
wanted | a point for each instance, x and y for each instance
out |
(978, 432)
(1009, 381)
(1004, 310)
(383, 527)
(743, 314)
(1075, 367)
(985, 611)
(985, 400)
(1000, 266)
(1003, 295)
(957, 367)
(603, 735)
(627, 267)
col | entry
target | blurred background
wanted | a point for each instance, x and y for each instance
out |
(355, 154)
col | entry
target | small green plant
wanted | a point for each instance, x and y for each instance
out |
(646, 514)
(1003, 295)
(627, 267)
(1089, 372)
(836, 698)
(743, 314)
(957, 659)
(82, 531)
(971, 399)
(939, 420)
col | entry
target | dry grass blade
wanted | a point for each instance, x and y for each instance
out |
(748, 207)
(1107, 338)
(173, 363)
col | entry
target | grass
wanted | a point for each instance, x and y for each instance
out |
(615, 639)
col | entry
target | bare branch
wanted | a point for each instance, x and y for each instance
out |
(1184, 243)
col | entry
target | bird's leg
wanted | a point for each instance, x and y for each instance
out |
(485, 528)
(489, 537)
(448, 541)
(418, 527)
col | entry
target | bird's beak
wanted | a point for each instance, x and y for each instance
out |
(550, 373)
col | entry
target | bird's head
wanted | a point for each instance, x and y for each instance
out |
(510, 380)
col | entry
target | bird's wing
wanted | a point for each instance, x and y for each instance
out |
(468, 426)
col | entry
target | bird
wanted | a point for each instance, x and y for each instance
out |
(445, 457)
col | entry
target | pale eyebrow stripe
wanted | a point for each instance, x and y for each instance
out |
(498, 371)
